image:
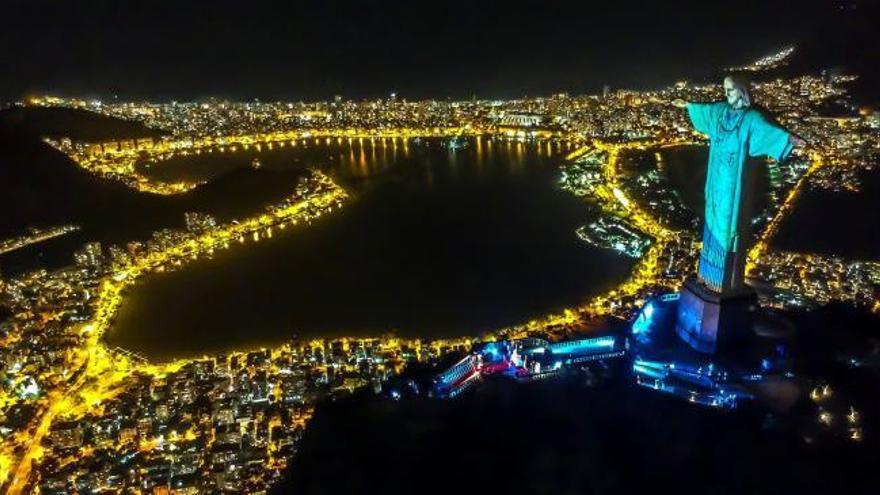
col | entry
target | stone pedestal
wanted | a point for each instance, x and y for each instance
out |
(709, 321)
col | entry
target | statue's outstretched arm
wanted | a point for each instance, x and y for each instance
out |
(769, 139)
(703, 116)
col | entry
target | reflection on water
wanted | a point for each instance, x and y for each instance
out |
(350, 158)
(435, 242)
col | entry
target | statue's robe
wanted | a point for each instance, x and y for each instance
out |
(734, 135)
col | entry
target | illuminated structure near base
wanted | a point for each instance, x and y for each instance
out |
(526, 359)
(715, 303)
(458, 378)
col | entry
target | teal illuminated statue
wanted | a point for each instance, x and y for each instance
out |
(714, 309)
(736, 131)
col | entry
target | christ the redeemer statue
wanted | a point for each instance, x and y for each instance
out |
(736, 131)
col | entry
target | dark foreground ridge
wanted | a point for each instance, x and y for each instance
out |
(584, 433)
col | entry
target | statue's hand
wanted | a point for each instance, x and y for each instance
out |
(798, 142)
(678, 102)
(803, 148)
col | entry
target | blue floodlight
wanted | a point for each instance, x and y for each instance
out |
(644, 320)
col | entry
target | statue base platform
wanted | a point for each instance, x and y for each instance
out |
(709, 321)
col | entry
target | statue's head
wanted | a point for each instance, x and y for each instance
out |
(736, 89)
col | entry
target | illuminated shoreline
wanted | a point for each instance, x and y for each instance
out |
(35, 236)
(118, 160)
(98, 369)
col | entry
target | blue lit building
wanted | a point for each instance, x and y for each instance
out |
(526, 359)
(457, 378)
(543, 359)
(584, 350)
(494, 352)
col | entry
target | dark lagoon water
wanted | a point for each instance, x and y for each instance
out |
(433, 243)
(842, 223)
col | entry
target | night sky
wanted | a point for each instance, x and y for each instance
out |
(313, 50)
